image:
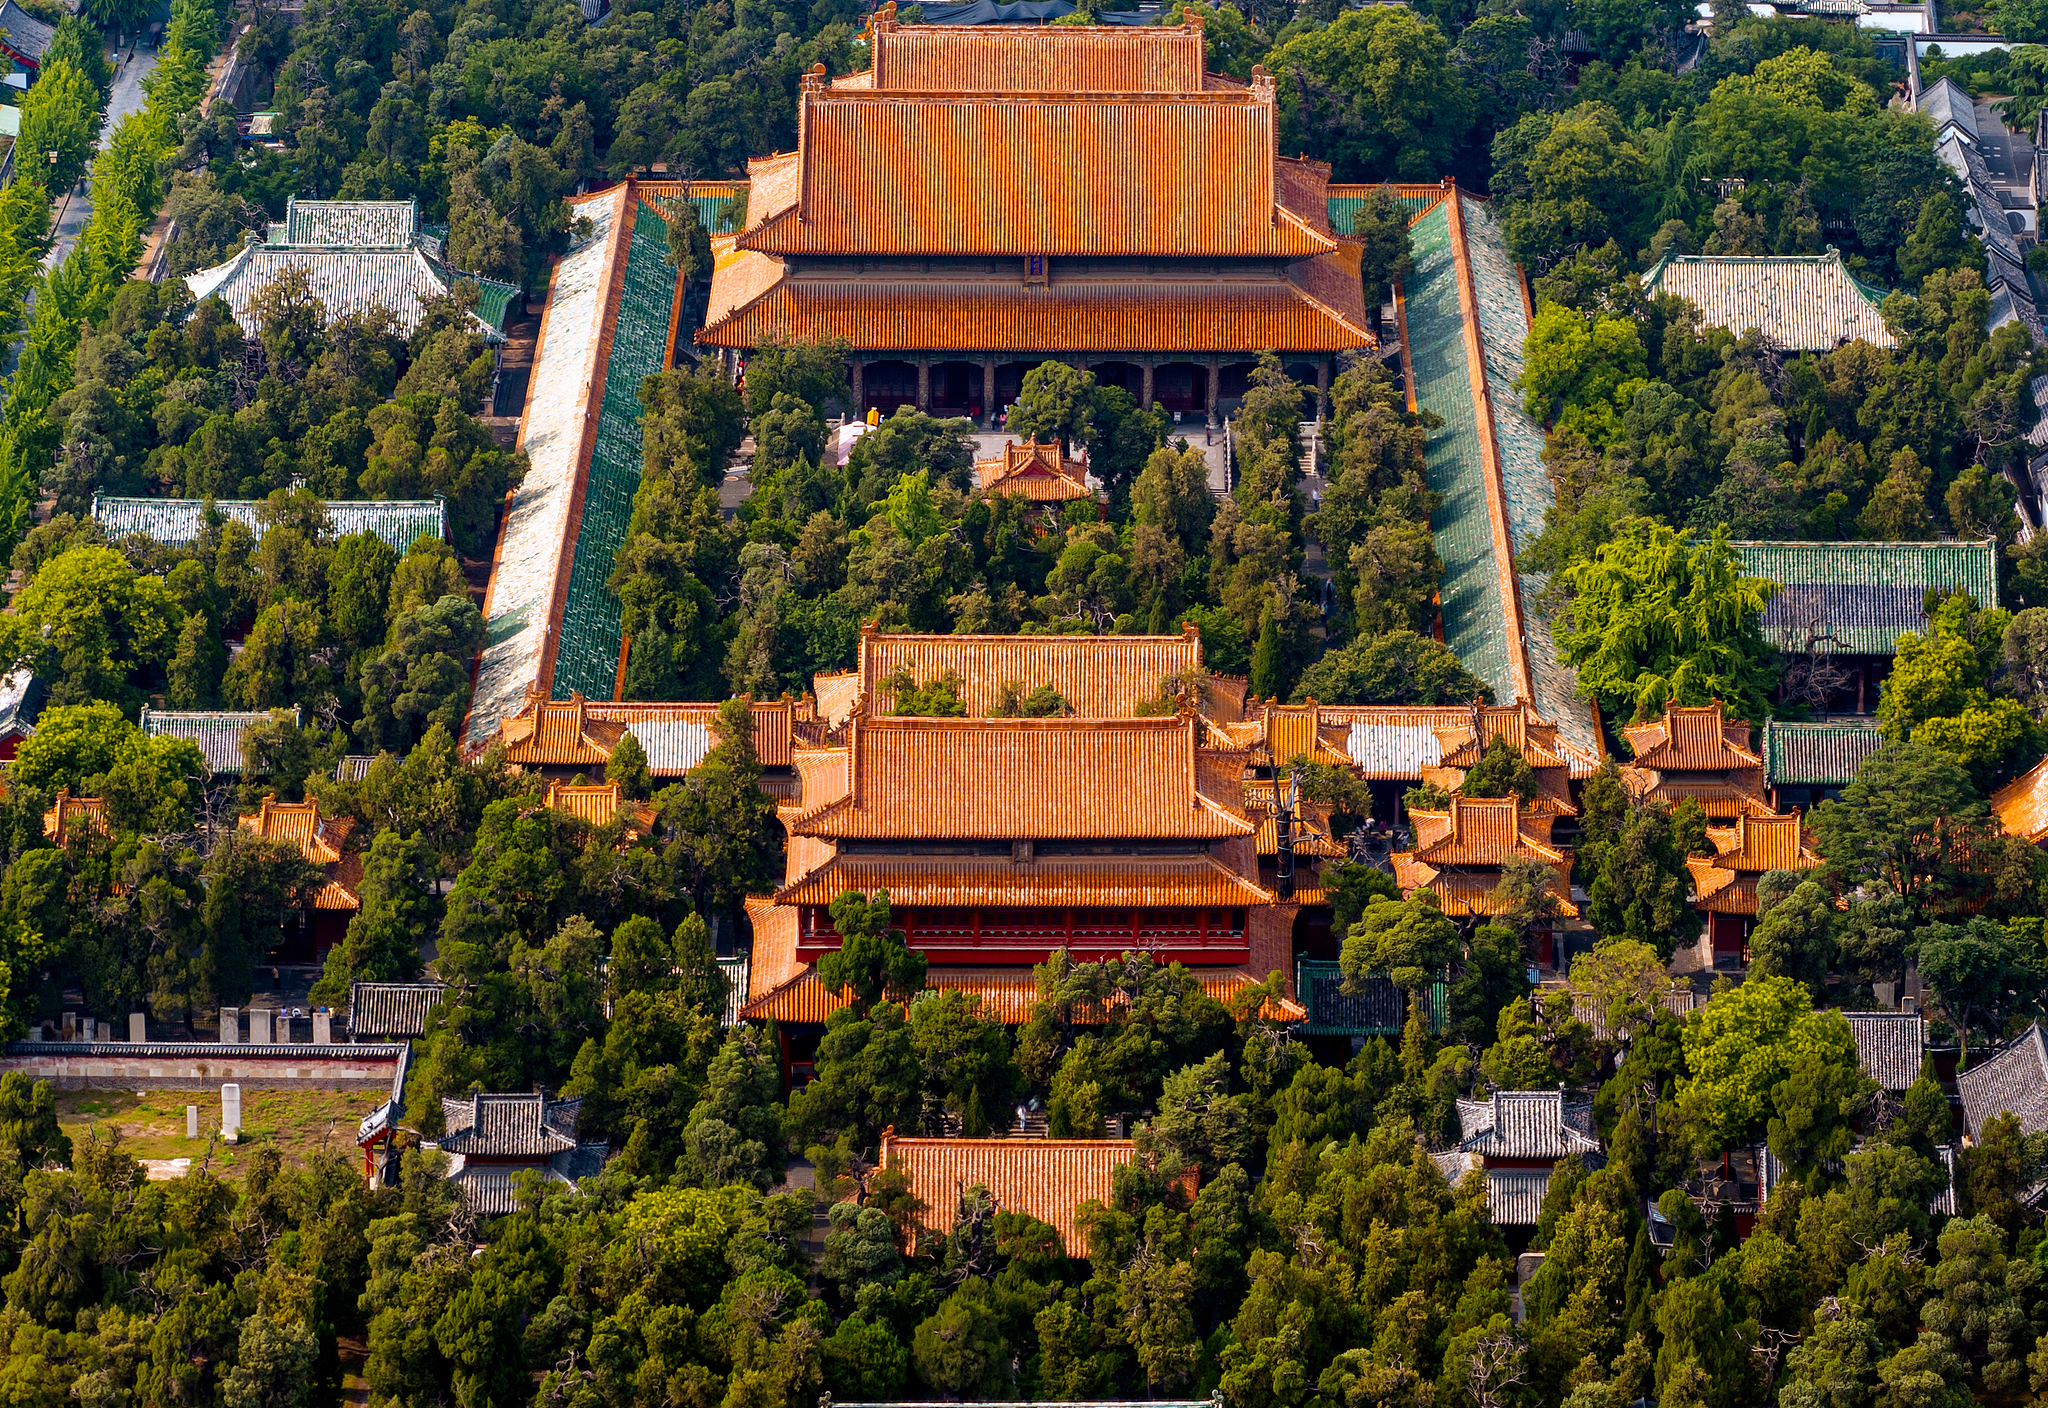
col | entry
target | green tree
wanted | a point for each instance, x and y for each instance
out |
(1742, 1045)
(1400, 667)
(1980, 973)
(90, 626)
(1374, 93)
(1909, 820)
(1657, 617)
(1412, 940)
(872, 960)
(1795, 937)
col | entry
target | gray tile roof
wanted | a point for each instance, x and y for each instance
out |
(217, 732)
(1802, 302)
(391, 1009)
(1944, 1204)
(1527, 1124)
(1859, 598)
(1947, 105)
(21, 703)
(353, 768)
(489, 1190)
(347, 224)
(1514, 1196)
(1818, 755)
(510, 1126)
(346, 281)
(2014, 1081)
(1890, 1046)
(24, 33)
(175, 522)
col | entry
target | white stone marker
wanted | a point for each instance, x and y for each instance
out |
(191, 1121)
(323, 1029)
(138, 1029)
(259, 1026)
(230, 1026)
(231, 1112)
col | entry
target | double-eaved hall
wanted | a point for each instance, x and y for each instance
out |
(981, 200)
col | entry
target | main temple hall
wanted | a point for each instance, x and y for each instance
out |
(980, 201)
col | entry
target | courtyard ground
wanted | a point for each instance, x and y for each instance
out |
(304, 1124)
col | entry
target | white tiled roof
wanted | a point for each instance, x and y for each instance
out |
(558, 418)
(673, 746)
(1394, 750)
(347, 224)
(1806, 303)
(346, 281)
(175, 522)
(217, 732)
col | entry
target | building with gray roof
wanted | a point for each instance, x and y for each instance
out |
(391, 1011)
(2012, 1081)
(492, 1139)
(1890, 1047)
(23, 37)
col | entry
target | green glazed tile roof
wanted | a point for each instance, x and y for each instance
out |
(1343, 208)
(175, 522)
(1381, 1010)
(587, 658)
(715, 213)
(1818, 755)
(1474, 622)
(1859, 598)
(1503, 329)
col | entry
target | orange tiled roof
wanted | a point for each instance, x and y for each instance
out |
(1528, 733)
(319, 839)
(1008, 995)
(1102, 677)
(1090, 59)
(1047, 1178)
(2022, 804)
(1042, 779)
(1692, 739)
(1038, 472)
(1290, 731)
(1307, 310)
(1458, 854)
(1725, 882)
(597, 804)
(987, 173)
(70, 816)
(1192, 882)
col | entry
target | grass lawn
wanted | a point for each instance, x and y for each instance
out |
(302, 1123)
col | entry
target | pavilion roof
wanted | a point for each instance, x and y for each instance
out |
(319, 839)
(1725, 882)
(2021, 806)
(1458, 853)
(1080, 882)
(1037, 471)
(69, 816)
(581, 733)
(1692, 739)
(1045, 779)
(1316, 306)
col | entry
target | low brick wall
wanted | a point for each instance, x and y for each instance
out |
(160, 1065)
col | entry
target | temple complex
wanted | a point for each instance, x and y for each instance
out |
(1089, 195)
